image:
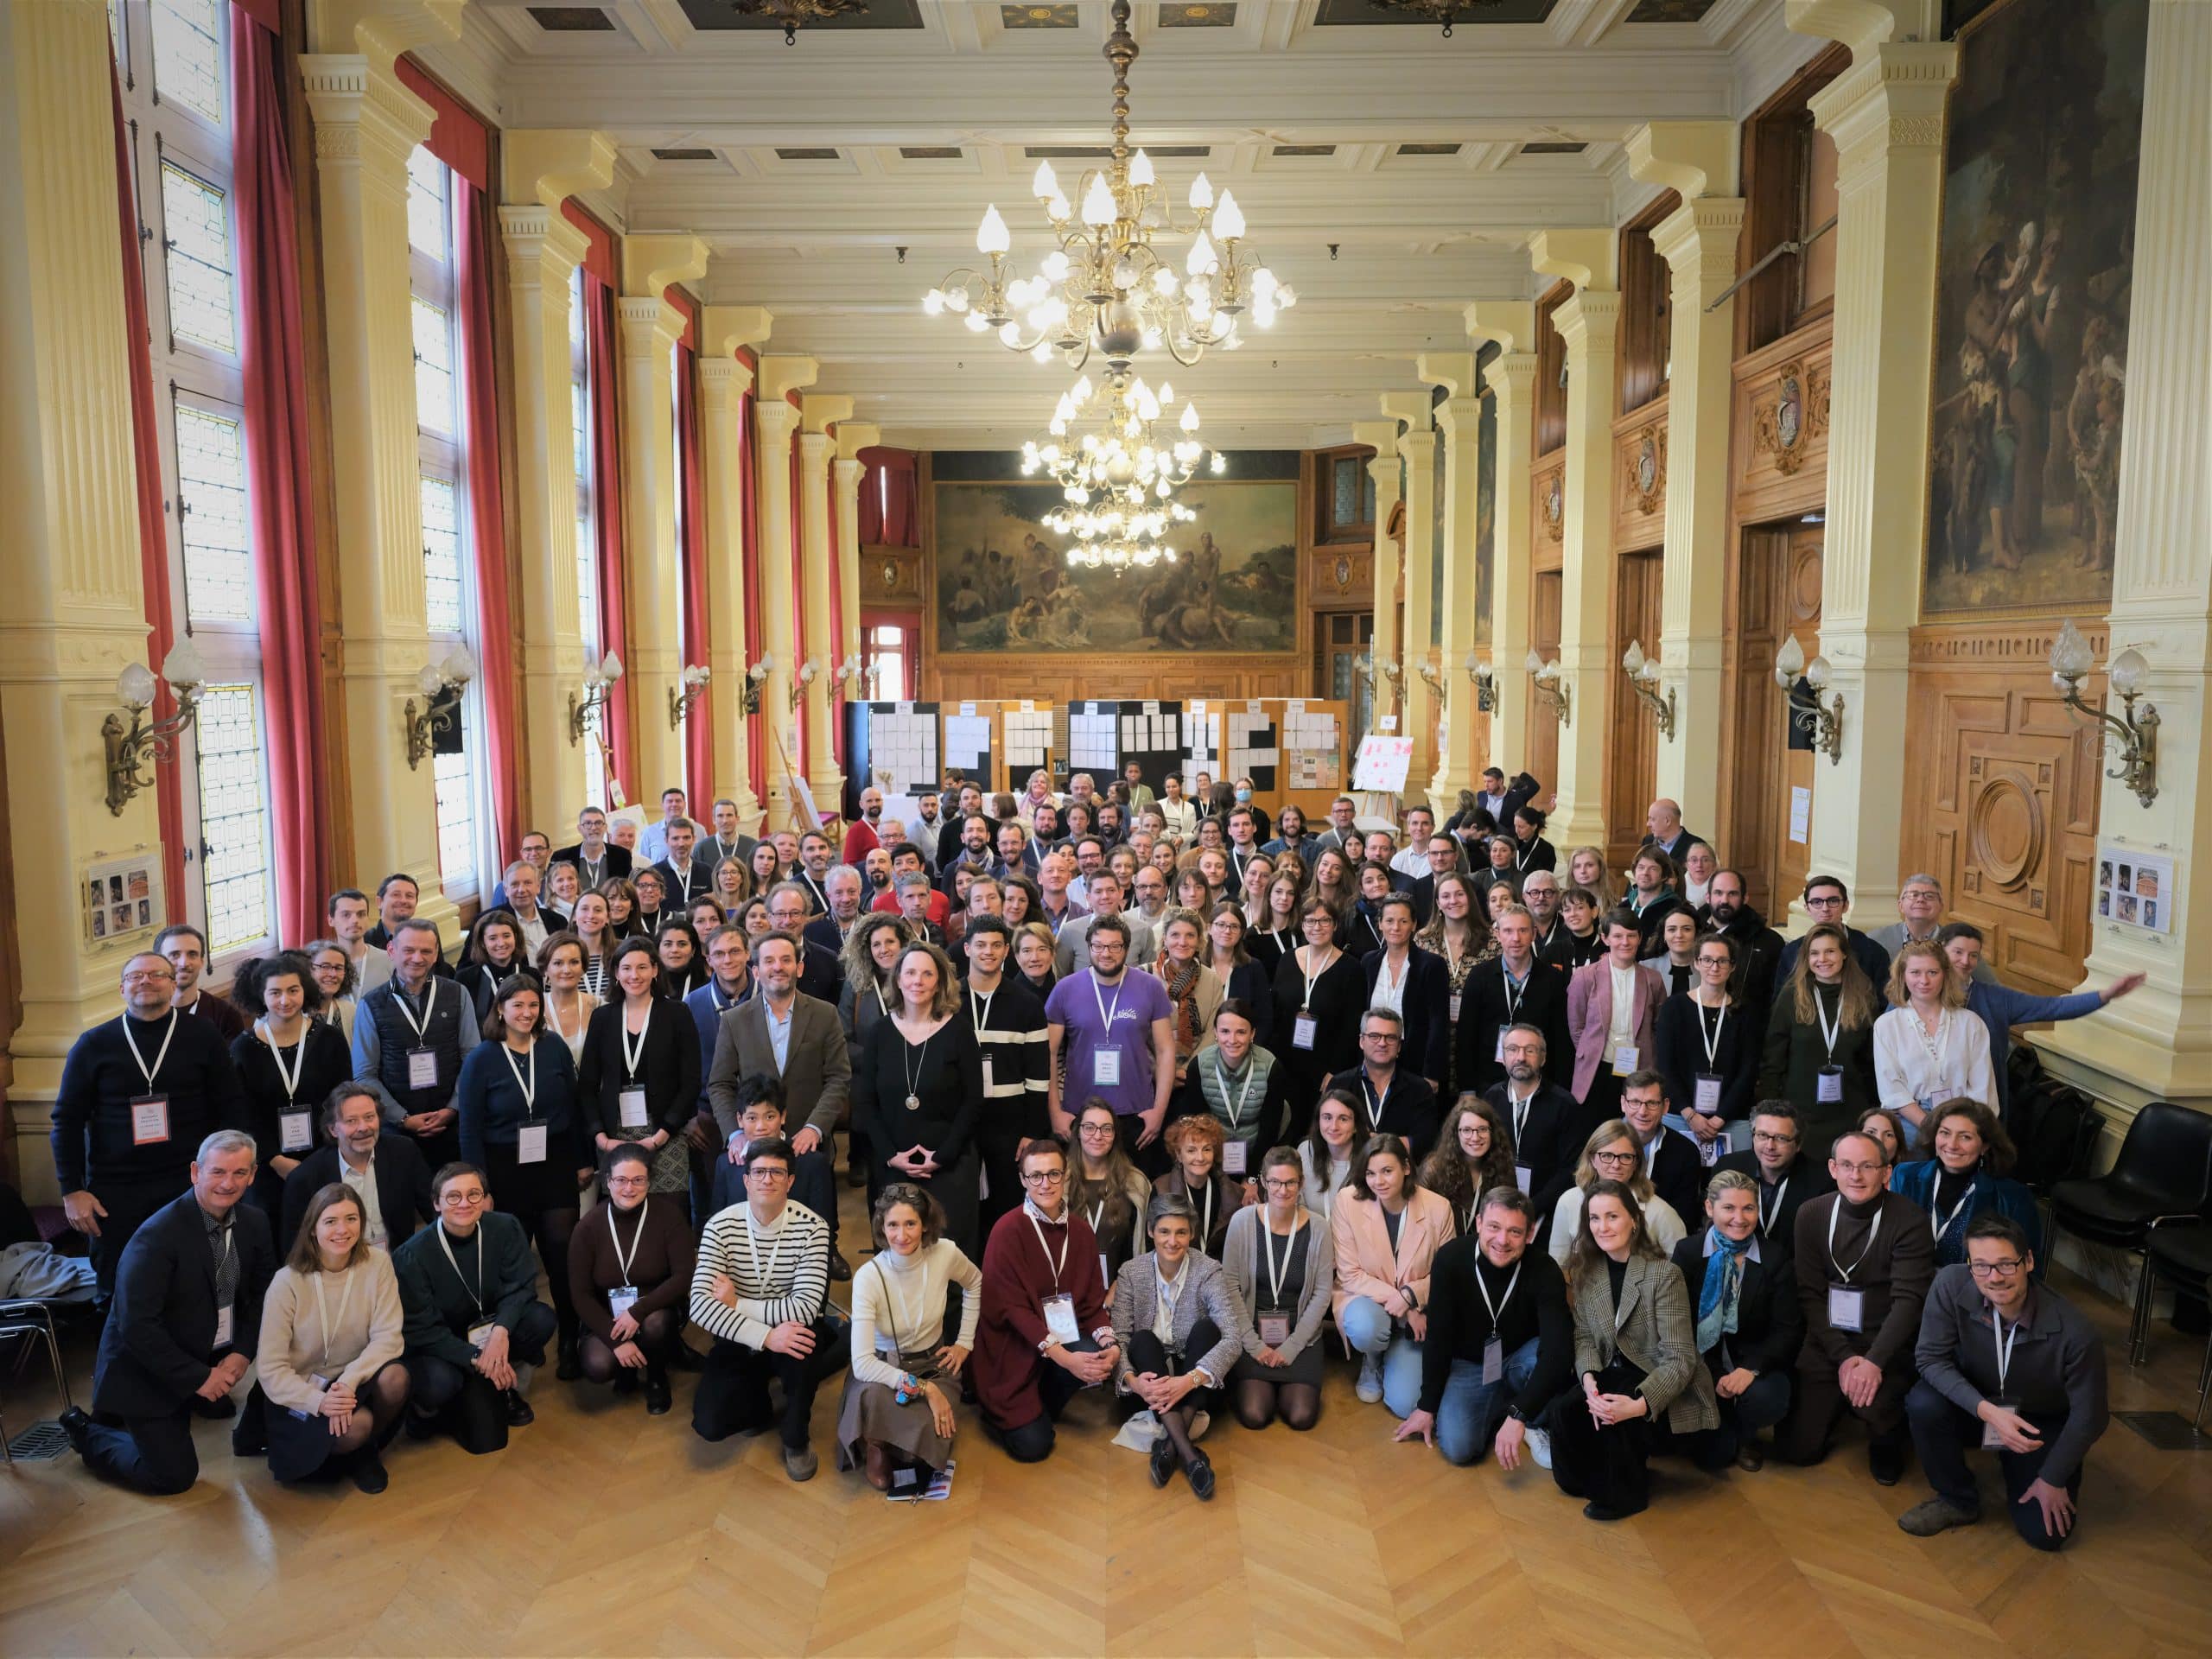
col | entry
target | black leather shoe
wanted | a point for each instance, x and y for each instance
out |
(840, 1269)
(255, 1445)
(1199, 1471)
(420, 1425)
(369, 1473)
(1885, 1460)
(1163, 1461)
(519, 1411)
(76, 1425)
(570, 1364)
(658, 1398)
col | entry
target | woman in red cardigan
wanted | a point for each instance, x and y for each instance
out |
(1046, 1334)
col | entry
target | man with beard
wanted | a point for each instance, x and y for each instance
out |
(1758, 947)
(1545, 1121)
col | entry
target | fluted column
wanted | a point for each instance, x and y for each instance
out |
(1385, 468)
(775, 421)
(852, 436)
(818, 447)
(2157, 1044)
(1458, 418)
(1588, 321)
(1886, 115)
(1511, 378)
(75, 610)
(366, 123)
(1417, 462)
(723, 382)
(1698, 242)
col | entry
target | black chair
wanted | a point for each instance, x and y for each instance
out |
(2164, 1174)
(2181, 1254)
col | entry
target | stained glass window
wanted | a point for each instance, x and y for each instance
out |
(195, 215)
(215, 532)
(234, 860)
(188, 56)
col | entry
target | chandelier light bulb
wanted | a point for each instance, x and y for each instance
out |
(1202, 258)
(1228, 218)
(956, 299)
(1201, 193)
(1098, 208)
(1167, 392)
(1044, 186)
(977, 322)
(1788, 661)
(1140, 171)
(1189, 421)
(932, 303)
(1163, 280)
(991, 236)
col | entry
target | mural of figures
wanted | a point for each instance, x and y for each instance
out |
(1003, 584)
(1485, 502)
(2036, 247)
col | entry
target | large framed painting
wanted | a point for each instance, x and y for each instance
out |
(1485, 499)
(2036, 251)
(1002, 582)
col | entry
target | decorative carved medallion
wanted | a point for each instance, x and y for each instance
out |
(1798, 412)
(1647, 470)
(1342, 571)
(1555, 506)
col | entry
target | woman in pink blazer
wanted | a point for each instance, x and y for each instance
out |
(1589, 992)
(1386, 1230)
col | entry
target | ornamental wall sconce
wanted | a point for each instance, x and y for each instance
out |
(849, 674)
(1485, 679)
(809, 672)
(599, 683)
(1374, 669)
(694, 688)
(1430, 678)
(748, 695)
(1551, 685)
(441, 684)
(135, 744)
(1823, 725)
(1643, 679)
(2137, 735)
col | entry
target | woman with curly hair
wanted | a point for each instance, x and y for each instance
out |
(1473, 1152)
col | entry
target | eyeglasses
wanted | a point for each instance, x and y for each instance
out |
(767, 1172)
(2003, 1269)
(627, 1180)
(1760, 1137)
(150, 977)
(1095, 1129)
(1282, 1184)
(1873, 1169)
(1714, 961)
(1380, 1036)
(462, 1200)
(1824, 901)
(1613, 1159)
(1044, 1177)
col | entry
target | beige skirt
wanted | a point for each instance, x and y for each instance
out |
(871, 1411)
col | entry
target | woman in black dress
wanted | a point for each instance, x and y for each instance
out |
(918, 1088)
(1530, 850)
(683, 959)
(288, 1063)
(1320, 994)
(639, 1080)
(1243, 975)
(492, 953)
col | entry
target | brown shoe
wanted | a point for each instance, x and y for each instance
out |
(879, 1466)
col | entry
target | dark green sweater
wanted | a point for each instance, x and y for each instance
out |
(440, 1304)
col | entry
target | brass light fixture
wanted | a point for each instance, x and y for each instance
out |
(134, 745)
(441, 684)
(1446, 12)
(749, 694)
(1485, 679)
(2138, 735)
(694, 688)
(1643, 679)
(599, 682)
(1552, 686)
(1824, 725)
(795, 14)
(807, 672)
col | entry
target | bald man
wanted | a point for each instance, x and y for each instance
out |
(1663, 828)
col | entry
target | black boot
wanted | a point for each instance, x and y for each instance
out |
(517, 1409)
(658, 1398)
(570, 1364)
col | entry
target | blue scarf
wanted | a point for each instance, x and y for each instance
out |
(1719, 1297)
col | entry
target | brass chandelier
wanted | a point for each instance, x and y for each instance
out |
(1107, 286)
(1120, 475)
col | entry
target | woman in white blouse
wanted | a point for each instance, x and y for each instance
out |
(1612, 1154)
(330, 1348)
(896, 1418)
(1929, 1047)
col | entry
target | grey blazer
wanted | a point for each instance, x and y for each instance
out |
(1240, 1262)
(1071, 951)
(1136, 1304)
(818, 1073)
(1655, 1331)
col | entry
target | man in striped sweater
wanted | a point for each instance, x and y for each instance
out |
(761, 1290)
(1009, 1023)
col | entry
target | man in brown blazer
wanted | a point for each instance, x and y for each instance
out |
(799, 1040)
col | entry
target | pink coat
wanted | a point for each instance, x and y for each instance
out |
(1590, 1017)
(1365, 1265)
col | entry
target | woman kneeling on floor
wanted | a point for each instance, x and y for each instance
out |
(1176, 1324)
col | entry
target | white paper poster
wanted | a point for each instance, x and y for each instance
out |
(1383, 764)
(2135, 889)
(1800, 815)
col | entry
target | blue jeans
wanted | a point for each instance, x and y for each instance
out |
(1370, 1330)
(1468, 1417)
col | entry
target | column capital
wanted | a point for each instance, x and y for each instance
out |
(775, 418)
(653, 265)
(1585, 256)
(815, 448)
(1453, 370)
(727, 328)
(1510, 323)
(382, 30)
(1512, 376)
(544, 167)
(852, 436)
(781, 374)
(1688, 157)
(723, 379)
(1698, 242)
(1865, 25)
(362, 112)
(1381, 436)
(1895, 100)
(821, 410)
(542, 243)
(647, 324)
(849, 473)
(1406, 408)
(1419, 452)
(1588, 317)
(1456, 417)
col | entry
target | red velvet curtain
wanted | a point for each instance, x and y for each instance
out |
(278, 466)
(890, 511)
(607, 474)
(799, 598)
(699, 722)
(836, 620)
(756, 758)
(495, 632)
(153, 524)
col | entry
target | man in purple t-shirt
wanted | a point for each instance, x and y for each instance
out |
(1111, 1033)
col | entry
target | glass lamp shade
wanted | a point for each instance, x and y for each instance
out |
(428, 681)
(1788, 661)
(1632, 658)
(134, 685)
(2125, 672)
(184, 666)
(2069, 652)
(610, 668)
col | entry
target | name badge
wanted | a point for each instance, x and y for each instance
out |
(630, 1108)
(1991, 1440)
(1847, 1308)
(481, 1333)
(1106, 1067)
(1234, 1155)
(1524, 1177)
(222, 1327)
(1304, 1030)
(1105, 1272)
(422, 1068)
(149, 1120)
(530, 1143)
(1455, 1008)
(621, 1299)
(1828, 1086)
(1275, 1327)
(1493, 1361)
(1708, 1094)
(1059, 1320)
(1624, 1059)
(295, 1131)
(990, 1076)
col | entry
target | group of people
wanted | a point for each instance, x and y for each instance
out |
(1143, 1098)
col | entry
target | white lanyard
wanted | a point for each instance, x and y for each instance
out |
(1235, 1107)
(429, 1007)
(765, 1278)
(1313, 977)
(631, 1056)
(1106, 1014)
(476, 1294)
(2004, 1346)
(1375, 1103)
(1713, 1042)
(623, 1259)
(1503, 1299)
(1045, 1250)
(1872, 1233)
(1451, 954)
(1520, 1108)
(291, 1080)
(1828, 1032)
(1275, 1274)
(1766, 1221)
(1520, 857)
(149, 1073)
(344, 1302)
(1205, 1230)
(1276, 933)
(1938, 1227)
(529, 1087)
(981, 1021)
(553, 999)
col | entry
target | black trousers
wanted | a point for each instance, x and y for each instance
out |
(1032, 1442)
(1942, 1434)
(128, 1203)
(467, 1406)
(154, 1455)
(1608, 1465)
(1147, 1353)
(1804, 1435)
(733, 1394)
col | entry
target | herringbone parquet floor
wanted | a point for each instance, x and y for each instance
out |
(600, 1531)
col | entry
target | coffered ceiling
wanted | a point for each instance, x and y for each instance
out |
(1390, 175)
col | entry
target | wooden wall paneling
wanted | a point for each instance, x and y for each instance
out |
(1789, 188)
(1551, 372)
(1797, 611)
(1753, 758)
(1546, 597)
(1632, 756)
(2003, 804)
(1781, 414)
(1639, 482)
(1646, 327)
(1547, 514)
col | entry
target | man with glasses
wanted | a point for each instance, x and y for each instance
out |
(821, 974)
(761, 1289)
(1865, 1258)
(1400, 1100)
(2010, 1366)
(1544, 1121)
(1046, 1335)
(1670, 1159)
(1826, 900)
(137, 1094)
(1514, 987)
(474, 1328)
(595, 857)
(1788, 1176)
(1111, 1033)
(1440, 858)
(1072, 948)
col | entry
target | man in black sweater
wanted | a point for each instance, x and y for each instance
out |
(137, 1095)
(1758, 947)
(1514, 987)
(1501, 1341)
(1787, 1175)
(1546, 1121)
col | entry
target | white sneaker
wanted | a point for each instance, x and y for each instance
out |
(1540, 1447)
(1370, 1379)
